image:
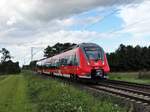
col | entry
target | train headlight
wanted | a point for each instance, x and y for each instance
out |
(88, 63)
(103, 62)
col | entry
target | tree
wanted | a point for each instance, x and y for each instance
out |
(7, 66)
(32, 64)
(48, 52)
(5, 55)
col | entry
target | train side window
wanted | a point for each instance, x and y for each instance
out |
(49, 65)
(46, 65)
(75, 60)
(69, 60)
(66, 61)
(57, 63)
(60, 61)
(63, 61)
(53, 63)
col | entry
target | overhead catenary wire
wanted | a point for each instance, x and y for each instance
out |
(128, 26)
(28, 57)
(101, 20)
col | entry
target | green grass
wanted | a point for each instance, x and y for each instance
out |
(13, 94)
(2, 77)
(30, 93)
(131, 77)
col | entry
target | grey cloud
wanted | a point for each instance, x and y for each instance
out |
(32, 14)
(45, 10)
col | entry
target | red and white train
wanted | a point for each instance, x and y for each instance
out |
(86, 60)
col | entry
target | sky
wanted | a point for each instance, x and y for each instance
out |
(26, 24)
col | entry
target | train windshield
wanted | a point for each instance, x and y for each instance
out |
(93, 53)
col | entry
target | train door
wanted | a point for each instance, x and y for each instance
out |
(72, 64)
(63, 65)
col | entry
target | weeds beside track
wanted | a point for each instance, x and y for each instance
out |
(132, 92)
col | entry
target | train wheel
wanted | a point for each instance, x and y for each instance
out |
(40, 72)
(76, 77)
(52, 74)
(73, 77)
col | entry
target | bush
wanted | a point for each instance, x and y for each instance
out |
(9, 67)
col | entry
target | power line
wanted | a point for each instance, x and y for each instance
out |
(30, 57)
(104, 17)
(132, 24)
(34, 53)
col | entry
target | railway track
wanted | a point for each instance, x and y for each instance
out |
(136, 86)
(127, 93)
(130, 91)
(138, 93)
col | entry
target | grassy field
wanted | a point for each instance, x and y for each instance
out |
(30, 93)
(130, 76)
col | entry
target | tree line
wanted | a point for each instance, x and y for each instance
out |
(7, 66)
(129, 58)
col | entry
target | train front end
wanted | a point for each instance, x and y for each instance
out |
(96, 64)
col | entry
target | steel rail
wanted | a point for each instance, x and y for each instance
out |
(126, 89)
(146, 86)
(121, 93)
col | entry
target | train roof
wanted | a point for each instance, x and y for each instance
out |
(81, 45)
(87, 45)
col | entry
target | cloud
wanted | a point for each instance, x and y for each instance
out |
(136, 19)
(45, 10)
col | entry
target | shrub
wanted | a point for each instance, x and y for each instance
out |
(9, 67)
